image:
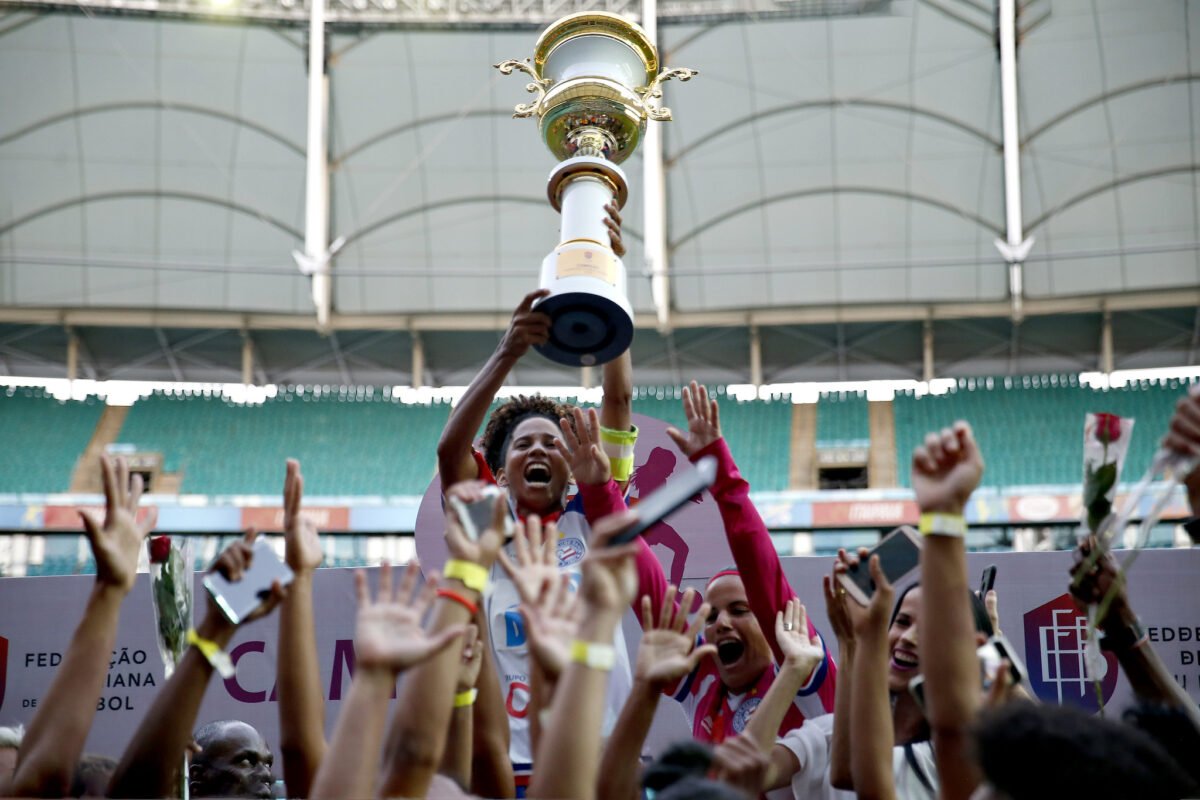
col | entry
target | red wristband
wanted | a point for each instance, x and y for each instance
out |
(450, 594)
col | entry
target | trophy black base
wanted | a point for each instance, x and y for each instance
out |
(586, 329)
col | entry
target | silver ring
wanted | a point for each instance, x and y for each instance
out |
(787, 626)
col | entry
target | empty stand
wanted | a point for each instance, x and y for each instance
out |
(1031, 428)
(43, 439)
(352, 441)
(758, 431)
(842, 420)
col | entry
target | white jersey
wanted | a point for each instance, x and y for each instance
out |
(510, 648)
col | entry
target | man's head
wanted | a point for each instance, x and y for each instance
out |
(742, 650)
(518, 445)
(92, 775)
(1031, 751)
(681, 759)
(10, 745)
(233, 761)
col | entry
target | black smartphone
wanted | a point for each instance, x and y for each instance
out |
(916, 687)
(238, 600)
(991, 653)
(669, 497)
(987, 581)
(899, 554)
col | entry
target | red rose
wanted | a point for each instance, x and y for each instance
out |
(160, 549)
(1108, 428)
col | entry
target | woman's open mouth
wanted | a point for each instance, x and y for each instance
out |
(538, 475)
(729, 651)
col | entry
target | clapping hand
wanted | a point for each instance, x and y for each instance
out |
(580, 446)
(703, 419)
(115, 542)
(668, 650)
(801, 652)
(536, 549)
(551, 621)
(528, 328)
(302, 542)
(388, 634)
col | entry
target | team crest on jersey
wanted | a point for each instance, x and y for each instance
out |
(570, 551)
(742, 715)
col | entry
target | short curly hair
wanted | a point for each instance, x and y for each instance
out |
(505, 419)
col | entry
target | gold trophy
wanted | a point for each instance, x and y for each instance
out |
(597, 80)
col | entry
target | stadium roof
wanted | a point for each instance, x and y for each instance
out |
(834, 188)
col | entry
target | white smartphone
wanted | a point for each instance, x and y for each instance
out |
(476, 517)
(899, 554)
(238, 600)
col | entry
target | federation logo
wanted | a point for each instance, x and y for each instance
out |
(570, 551)
(1055, 636)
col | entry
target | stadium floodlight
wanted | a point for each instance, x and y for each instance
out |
(489, 14)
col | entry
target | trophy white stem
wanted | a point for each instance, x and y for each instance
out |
(583, 214)
(592, 321)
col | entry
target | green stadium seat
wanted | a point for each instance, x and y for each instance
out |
(359, 442)
(43, 439)
(758, 431)
(842, 420)
(1030, 428)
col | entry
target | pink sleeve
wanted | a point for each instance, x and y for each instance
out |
(757, 562)
(767, 588)
(599, 502)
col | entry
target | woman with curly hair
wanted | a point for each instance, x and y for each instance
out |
(539, 449)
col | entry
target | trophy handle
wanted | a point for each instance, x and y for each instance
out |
(653, 92)
(539, 85)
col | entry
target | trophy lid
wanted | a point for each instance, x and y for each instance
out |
(596, 23)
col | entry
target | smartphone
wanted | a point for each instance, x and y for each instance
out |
(667, 499)
(476, 517)
(916, 687)
(239, 600)
(991, 653)
(987, 581)
(899, 554)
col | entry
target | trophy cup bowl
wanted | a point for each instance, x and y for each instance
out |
(596, 76)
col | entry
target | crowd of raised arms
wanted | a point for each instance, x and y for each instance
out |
(769, 710)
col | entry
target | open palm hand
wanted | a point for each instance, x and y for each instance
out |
(668, 648)
(388, 633)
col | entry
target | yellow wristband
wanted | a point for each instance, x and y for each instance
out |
(471, 574)
(212, 653)
(593, 655)
(943, 525)
(618, 446)
(467, 698)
